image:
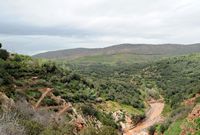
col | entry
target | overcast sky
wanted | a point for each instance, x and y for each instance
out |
(33, 26)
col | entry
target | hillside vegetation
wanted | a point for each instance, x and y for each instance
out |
(99, 95)
(24, 81)
(176, 79)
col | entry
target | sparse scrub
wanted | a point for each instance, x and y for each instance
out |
(10, 124)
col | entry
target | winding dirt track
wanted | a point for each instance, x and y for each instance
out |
(153, 116)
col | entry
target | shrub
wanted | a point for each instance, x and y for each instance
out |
(20, 58)
(34, 93)
(197, 100)
(152, 130)
(58, 130)
(89, 131)
(197, 121)
(49, 102)
(31, 127)
(6, 78)
(49, 67)
(164, 126)
(106, 119)
(89, 110)
(107, 130)
(4, 54)
(137, 118)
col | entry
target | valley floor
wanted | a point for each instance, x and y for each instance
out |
(153, 116)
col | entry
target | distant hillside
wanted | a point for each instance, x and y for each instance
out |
(131, 50)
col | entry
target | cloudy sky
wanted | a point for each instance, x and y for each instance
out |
(33, 26)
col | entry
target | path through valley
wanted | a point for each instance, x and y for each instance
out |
(153, 116)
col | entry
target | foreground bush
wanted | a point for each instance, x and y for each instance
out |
(4, 54)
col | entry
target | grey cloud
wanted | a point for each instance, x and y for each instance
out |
(39, 25)
(24, 29)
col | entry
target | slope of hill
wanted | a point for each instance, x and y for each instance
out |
(50, 100)
(176, 79)
(47, 98)
(121, 52)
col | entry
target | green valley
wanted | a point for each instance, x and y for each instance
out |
(101, 94)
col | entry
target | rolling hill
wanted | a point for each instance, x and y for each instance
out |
(120, 52)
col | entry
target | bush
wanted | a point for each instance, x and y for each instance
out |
(31, 127)
(165, 126)
(89, 110)
(49, 67)
(58, 130)
(137, 118)
(34, 93)
(4, 54)
(197, 121)
(5, 77)
(152, 130)
(107, 130)
(89, 131)
(49, 102)
(105, 119)
(197, 100)
(20, 58)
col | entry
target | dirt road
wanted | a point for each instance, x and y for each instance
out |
(153, 116)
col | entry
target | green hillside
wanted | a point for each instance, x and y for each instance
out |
(95, 91)
(23, 79)
(126, 58)
(176, 79)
